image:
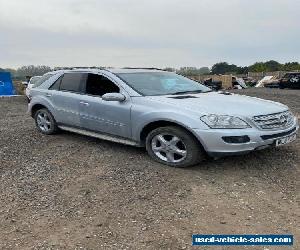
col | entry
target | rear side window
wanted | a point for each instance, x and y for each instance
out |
(42, 79)
(34, 79)
(72, 82)
(56, 84)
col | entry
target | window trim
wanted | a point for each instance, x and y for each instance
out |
(83, 83)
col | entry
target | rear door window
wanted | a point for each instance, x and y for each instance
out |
(72, 82)
(34, 79)
(56, 84)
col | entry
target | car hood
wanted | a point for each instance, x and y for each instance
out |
(220, 103)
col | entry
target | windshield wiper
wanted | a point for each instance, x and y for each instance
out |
(188, 92)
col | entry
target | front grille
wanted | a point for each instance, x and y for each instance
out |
(274, 121)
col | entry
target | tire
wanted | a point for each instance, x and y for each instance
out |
(174, 146)
(45, 122)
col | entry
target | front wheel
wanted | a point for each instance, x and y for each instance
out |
(174, 146)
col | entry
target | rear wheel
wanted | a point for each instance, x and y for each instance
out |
(174, 146)
(45, 122)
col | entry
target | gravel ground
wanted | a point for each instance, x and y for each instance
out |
(74, 192)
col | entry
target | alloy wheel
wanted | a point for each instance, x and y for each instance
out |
(169, 148)
(43, 121)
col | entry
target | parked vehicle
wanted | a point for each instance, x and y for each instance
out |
(290, 80)
(272, 84)
(30, 84)
(268, 82)
(178, 120)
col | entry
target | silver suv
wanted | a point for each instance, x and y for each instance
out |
(178, 120)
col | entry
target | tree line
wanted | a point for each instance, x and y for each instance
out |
(218, 68)
(225, 68)
(269, 66)
(30, 70)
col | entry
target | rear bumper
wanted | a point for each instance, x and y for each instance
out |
(215, 146)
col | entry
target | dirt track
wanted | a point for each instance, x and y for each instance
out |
(74, 192)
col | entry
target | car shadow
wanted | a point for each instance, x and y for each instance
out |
(281, 159)
(275, 165)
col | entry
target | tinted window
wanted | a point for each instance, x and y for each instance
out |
(71, 82)
(100, 85)
(56, 84)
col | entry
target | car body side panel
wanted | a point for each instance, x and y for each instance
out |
(40, 98)
(66, 105)
(111, 117)
(147, 111)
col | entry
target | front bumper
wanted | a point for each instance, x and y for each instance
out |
(215, 146)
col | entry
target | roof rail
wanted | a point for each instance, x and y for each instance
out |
(89, 67)
(142, 68)
(70, 68)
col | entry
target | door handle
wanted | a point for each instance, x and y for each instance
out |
(48, 95)
(84, 103)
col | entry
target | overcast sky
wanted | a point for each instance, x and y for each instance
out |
(153, 33)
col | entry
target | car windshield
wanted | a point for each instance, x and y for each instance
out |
(162, 83)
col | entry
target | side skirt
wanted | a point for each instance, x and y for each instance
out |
(100, 136)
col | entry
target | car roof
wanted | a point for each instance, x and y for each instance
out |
(112, 70)
(53, 72)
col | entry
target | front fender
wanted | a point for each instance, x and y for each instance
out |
(139, 122)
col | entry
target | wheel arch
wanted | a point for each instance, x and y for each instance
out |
(164, 123)
(37, 107)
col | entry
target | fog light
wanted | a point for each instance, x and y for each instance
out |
(236, 139)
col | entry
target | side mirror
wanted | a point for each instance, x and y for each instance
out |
(117, 97)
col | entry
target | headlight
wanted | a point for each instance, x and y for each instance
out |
(224, 121)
